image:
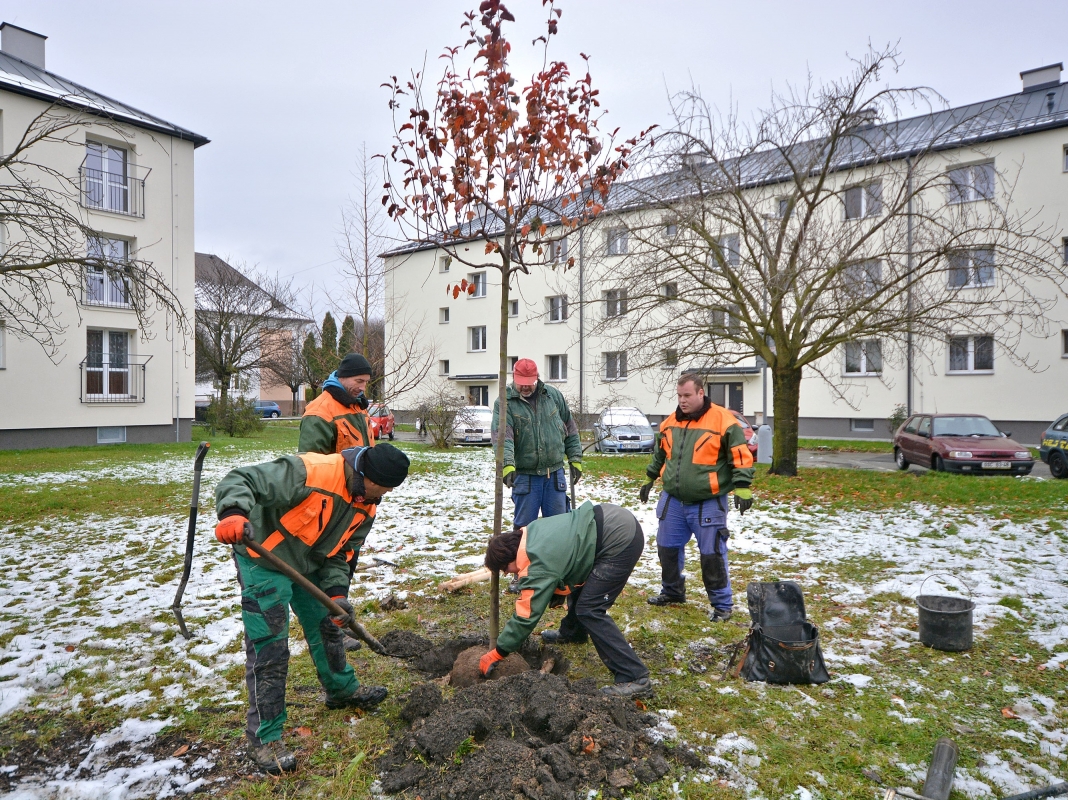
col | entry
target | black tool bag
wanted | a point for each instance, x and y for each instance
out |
(782, 646)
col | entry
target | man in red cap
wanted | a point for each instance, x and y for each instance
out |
(539, 433)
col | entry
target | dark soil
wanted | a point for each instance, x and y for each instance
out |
(423, 655)
(535, 735)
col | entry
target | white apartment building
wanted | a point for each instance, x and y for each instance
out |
(556, 315)
(111, 380)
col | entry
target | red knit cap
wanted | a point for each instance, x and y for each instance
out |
(525, 372)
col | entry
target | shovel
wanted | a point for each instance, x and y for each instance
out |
(176, 606)
(335, 610)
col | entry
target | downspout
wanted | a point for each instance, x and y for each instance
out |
(908, 245)
(174, 329)
(582, 321)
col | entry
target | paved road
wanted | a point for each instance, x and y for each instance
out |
(880, 462)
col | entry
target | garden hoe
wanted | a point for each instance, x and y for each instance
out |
(176, 606)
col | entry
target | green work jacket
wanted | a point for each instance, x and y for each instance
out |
(538, 435)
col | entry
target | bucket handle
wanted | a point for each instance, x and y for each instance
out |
(961, 581)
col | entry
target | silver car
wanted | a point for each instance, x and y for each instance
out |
(472, 425)
(623, 430)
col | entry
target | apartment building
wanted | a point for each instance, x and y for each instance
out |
(110, 378)
(558, 316)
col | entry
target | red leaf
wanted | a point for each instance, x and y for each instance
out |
(1008, 713)
(181, 751)
(303, 732)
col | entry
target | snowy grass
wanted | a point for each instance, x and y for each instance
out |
(87, 636)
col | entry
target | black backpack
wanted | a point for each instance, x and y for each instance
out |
(782, 646)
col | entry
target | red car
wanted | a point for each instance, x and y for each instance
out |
(750, 432)
(959, 443)
(381, 421)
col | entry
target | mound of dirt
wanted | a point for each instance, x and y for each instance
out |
(535, 735)
(465, 671)
(423, 655)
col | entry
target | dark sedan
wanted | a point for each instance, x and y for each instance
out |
(959, 443)
(1054, 449)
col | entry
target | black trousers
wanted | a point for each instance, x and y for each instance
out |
(587, 612)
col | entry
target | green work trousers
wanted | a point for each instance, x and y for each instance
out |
(266, 597)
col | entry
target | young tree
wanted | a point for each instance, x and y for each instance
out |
(328, 356)
(825, 226)
(347, 342)
(489, 161)
(286, 362)
(361, 239)
(49, 248)
(313, 363)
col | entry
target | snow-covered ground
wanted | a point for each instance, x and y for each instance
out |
(94, 594)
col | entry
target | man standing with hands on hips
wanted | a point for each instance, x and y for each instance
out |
(701, 456)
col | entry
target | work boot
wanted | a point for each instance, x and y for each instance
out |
(272, 757)
(364, 698)
(666, 600)
(554, 637)
(720, 614)
(639, 688)
(352, 643)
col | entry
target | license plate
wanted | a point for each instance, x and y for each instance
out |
(629, 445)
(475, 438)
(997, 465)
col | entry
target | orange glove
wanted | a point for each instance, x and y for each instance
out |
(231, 530)
(487, 662)
(346, 606)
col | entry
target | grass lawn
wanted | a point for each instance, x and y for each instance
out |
(846, 445)
(92, 547)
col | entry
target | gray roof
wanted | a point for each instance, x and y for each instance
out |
(24, 78)
(208, 268)
(1041, 108)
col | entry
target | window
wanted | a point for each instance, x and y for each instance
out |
(513, 308)
(912, 425)
(443, 315)
(477, 338)
(1064, 341)
(617, 241)
(671, 229)
(1064, 250)
(864, 278)
(615, 302)
(444, 263)
(863, 358)
(615, 366)
(557, 308)
(727, 320)
(863, 201)
(511, 363)
(105, 174)
(728, 250)
(478, 395)
(3, 344)
(968, 184)
(970, 269)
(106, 281)
(670, 291)
(558, 250)
(862, 424)
(111, 434)
(671, 359)
(971, 354)
(558, 368)
(107, 363)
(784, 207)
(443, 367)
(925, 427)
(1064, 162)
(478, 280)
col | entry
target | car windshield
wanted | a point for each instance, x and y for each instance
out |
(964, 426)
(624, 416)
(377, 411)
(475, 416)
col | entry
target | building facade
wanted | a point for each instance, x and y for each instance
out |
(109, 378)
(558, 316)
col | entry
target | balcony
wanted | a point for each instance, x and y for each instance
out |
(119, 189)
(118, 381)
(107, 288)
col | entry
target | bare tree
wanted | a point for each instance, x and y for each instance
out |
(49, 250)
(285, 361)
(440, 408)
(361, 239)
(411, 354)
(824, 228)
(238, 320)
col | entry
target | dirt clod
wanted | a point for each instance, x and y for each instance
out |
(423, 701)
(423, 655)
(465, 671)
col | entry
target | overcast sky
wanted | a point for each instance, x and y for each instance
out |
(287, 92)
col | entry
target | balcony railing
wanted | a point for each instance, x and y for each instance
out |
(119, 381)
(120, 190)
(109, 288)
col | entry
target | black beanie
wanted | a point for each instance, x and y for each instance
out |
(385, 465)
(353, 364)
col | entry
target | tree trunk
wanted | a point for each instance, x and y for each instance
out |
(502, 420)
(786, 382)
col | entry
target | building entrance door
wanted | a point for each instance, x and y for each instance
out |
(728, 395)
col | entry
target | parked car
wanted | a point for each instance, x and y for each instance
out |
(623, 430)
(472, 425)
(269, 409)
(959, 443)
(1054, 449)
(382, 421)
(750, 432)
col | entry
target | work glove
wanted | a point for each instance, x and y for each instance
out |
(557, 600)
(576, 472)
(231, 529)
(508, 476)
(346, 606)
(489, 661)
(643, 493)
(743, 499)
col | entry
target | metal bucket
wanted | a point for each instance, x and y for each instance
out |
(945, 622)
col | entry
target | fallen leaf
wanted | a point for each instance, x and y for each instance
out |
(588, 744)
(987, 673)
(303, 731)
(181, 751)
(1008, 713)
(1041, 667)
(69, 648)
(641, 706)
